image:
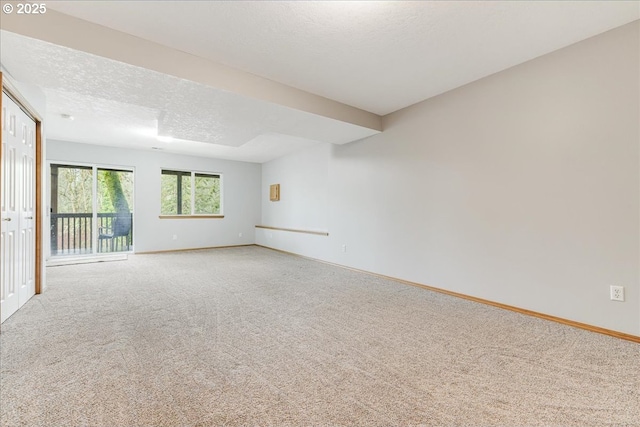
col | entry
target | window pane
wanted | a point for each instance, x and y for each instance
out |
(74, 189)
(115, 190)
(71, 210)
(169, 202)
(115, 202)
(207, 193)
(186, 193)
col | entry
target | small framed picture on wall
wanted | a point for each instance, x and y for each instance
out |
(274, 192)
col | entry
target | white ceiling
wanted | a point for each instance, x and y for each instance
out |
(378, 56)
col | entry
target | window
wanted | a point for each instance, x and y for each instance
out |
(190, 193)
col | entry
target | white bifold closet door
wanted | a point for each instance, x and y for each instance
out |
(17, 245)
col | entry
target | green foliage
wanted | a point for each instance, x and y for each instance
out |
(169, 194)
(75, 190)
(186, 195)
(109, 184)
(115, 191)
(207, 194)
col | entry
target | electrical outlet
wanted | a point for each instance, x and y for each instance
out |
(344, 248)
(239, 234)
(175, 237)
(617, 293)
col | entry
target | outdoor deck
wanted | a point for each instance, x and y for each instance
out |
(71, 234)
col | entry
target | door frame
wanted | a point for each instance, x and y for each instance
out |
(95, 167)
(14, 94)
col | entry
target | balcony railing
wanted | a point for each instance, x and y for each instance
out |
(72, 234)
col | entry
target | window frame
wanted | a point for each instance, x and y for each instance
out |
(181, 173)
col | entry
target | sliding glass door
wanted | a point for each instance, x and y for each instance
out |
(91, 210)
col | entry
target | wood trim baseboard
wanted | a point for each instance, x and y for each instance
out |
(190, 216)
(573, 323)
(524, 311)
(164, 251)
(294, 230)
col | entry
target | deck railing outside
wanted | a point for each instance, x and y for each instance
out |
(72, 234)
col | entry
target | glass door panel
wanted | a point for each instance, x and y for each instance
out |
(115, 214)
(71, 210)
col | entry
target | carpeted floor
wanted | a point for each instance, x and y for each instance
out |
(249, 336)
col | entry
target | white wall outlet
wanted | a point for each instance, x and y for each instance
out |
(239, 234)
(617, 293)
(344, 248)
(175, 237)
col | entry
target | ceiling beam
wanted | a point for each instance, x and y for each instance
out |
(64, 30)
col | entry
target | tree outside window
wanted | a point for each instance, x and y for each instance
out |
(190, 193)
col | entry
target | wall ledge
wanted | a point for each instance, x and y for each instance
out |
(294, 230)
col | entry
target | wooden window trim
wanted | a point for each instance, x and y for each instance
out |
(204, 216)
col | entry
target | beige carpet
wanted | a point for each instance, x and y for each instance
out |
(249, 336)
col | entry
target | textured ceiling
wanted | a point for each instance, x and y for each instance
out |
(119, 104)
(379, 56)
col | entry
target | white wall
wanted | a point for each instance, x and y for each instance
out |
(521, 188)
(303, 189)
(303, 204)
(241, 196)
